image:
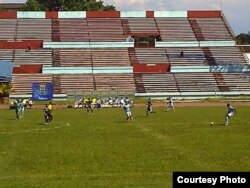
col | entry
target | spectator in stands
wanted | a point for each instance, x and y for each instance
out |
(93, 102)
(182, 54)
(116, 102)
(110, 102)
(98, 102)
(126, 100)
(30, 102)
(84, 102)
(28, 48)
(170, 103)
(79, 103)
(122, 102)
(129, 39)
(12, 104)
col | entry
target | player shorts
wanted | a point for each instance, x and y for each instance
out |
(230, 114)
(129, 114)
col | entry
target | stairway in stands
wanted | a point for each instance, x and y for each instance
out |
(56, 30)
(139, 83)
(197, 31)
(56, 83)
(209, 56)
(132, 56)
(220, 82)
(125, 26)
(56, 59)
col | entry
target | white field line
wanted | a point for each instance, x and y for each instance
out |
(61, 125)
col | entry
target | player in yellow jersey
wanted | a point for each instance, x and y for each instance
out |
(50, 116)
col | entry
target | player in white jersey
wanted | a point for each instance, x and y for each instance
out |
(170, 104)
(128, 112)
(230, 112)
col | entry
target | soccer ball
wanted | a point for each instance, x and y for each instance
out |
(211, 123)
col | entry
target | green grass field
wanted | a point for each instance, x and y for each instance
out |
(104, 150)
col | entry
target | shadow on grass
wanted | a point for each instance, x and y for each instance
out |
(12, 119)
(219, 125)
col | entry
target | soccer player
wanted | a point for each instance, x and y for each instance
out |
(50, 116)
(149, 107)
(89, 105)
(18, 108)
(170, 104)
(128, 112)
(22, 107)
(46, 114)
(230, 112)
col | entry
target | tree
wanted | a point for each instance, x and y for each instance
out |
(70, 5)
(32, 5)
(243, 38)
(5, 89)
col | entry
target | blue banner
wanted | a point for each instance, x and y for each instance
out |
(6, 68)
(42, 91)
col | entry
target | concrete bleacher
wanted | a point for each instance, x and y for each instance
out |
(7, 54)
(153, 83)
(103, 57)
(70, 30)
(28, 29)
(8, 29)
(191, 57)
(87, 51)
(149, 55)
(76, 82)
(105, 29)
(116, 82)
(227, 55)
(237, 81)
(175, 29)
(141, 26)
(211, 29)
(196, 82)
(34, 56)
(22, 83)
(94, 57)
(72, 58)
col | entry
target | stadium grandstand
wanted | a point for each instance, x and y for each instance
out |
(148, 53)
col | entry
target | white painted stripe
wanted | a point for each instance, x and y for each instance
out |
(133, 14)
(88, 44)
(169, 14)
(72, 14)
(33, 14)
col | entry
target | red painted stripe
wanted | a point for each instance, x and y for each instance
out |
(8, 15)
(154, 68)
(103, 14)
(149, 14)
(52, 15)
(34, 44)
(204, 14)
